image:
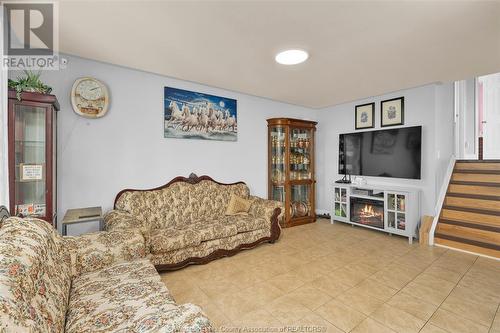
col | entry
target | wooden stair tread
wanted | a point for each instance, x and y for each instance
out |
(471, 234)
(477, 171)
(468, 247)
(470, 224)
(476, 178)
(474, 189)
(472, 203)
(460, 215)
(471, 240)
(465, 160)
(473, 196)
(477, 165)
(472, 210)
(473, 183)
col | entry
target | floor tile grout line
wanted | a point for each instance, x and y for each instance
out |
(384, 302)
(496, 314)
(470, 267)
(421, 272)
(322, 252)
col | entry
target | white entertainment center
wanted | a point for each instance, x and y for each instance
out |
(393, 209)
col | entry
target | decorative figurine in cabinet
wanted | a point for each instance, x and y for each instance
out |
(291, 168)
(32, 155)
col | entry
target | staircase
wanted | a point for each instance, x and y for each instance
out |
(470, 216)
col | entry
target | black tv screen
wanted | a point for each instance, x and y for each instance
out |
(382, 153)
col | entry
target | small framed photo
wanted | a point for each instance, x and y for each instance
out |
(392, 112)
(365, 116)
(31, 172)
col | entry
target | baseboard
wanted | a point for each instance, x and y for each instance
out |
(323, 213)
(465, 251)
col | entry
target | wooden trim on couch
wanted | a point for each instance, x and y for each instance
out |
(221, 253)
(192, 179)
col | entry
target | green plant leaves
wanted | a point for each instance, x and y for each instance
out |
(29, 82)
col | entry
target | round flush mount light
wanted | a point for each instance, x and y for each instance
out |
(291, 57)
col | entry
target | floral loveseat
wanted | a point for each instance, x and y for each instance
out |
(184, 221)
(99, 282)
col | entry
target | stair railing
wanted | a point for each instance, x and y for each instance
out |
(441, 197)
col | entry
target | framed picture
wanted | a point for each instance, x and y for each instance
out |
(365, 116)
(30, 172)
(392, 112)
(194, 115)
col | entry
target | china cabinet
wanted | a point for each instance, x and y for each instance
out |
(291, 177)
(32, 142)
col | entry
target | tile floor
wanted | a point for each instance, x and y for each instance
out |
(340, 278)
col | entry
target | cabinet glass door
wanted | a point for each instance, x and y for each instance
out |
(340, 202)
(300, 153)
(277, 163)
(396, 211)
(30, 163)
(300, 200)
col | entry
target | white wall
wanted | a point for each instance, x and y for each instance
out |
(126, 149)
(430, 106)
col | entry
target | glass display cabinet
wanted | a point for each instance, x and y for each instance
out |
(32, 155)
(291, 168)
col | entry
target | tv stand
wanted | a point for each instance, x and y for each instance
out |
(392, 209)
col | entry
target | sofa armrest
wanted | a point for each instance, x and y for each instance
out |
(119, 219)
(187, 318)
(94, 251)
(271, 210)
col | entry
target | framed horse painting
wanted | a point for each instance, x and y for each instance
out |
(194, 115)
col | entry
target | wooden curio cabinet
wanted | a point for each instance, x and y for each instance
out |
(291, 168)
(32, 155)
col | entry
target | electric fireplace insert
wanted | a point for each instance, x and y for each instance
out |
(367, 212)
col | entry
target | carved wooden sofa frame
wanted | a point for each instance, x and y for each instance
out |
(220, 253)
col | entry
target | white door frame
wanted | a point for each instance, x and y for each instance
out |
(476, 119)
(456, 119)
(465, 102)
(4, 161)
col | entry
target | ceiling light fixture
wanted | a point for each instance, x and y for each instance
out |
(291, 57)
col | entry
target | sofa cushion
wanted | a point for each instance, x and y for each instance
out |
(238, 205)
(212, 229)
(244, 223)
(128, 297)
(35, 277)
(209, 199)
(160, 208)
(169, 239)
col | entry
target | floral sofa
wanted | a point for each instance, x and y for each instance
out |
(184, 221)
(99, 282)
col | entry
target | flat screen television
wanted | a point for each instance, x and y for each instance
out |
(382, 153)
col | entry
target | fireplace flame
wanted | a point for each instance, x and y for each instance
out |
(368, 210)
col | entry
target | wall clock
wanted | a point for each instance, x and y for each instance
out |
(89, 97)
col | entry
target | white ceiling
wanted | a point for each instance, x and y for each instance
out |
(357, 49)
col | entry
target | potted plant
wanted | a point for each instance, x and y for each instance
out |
(29, 82)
